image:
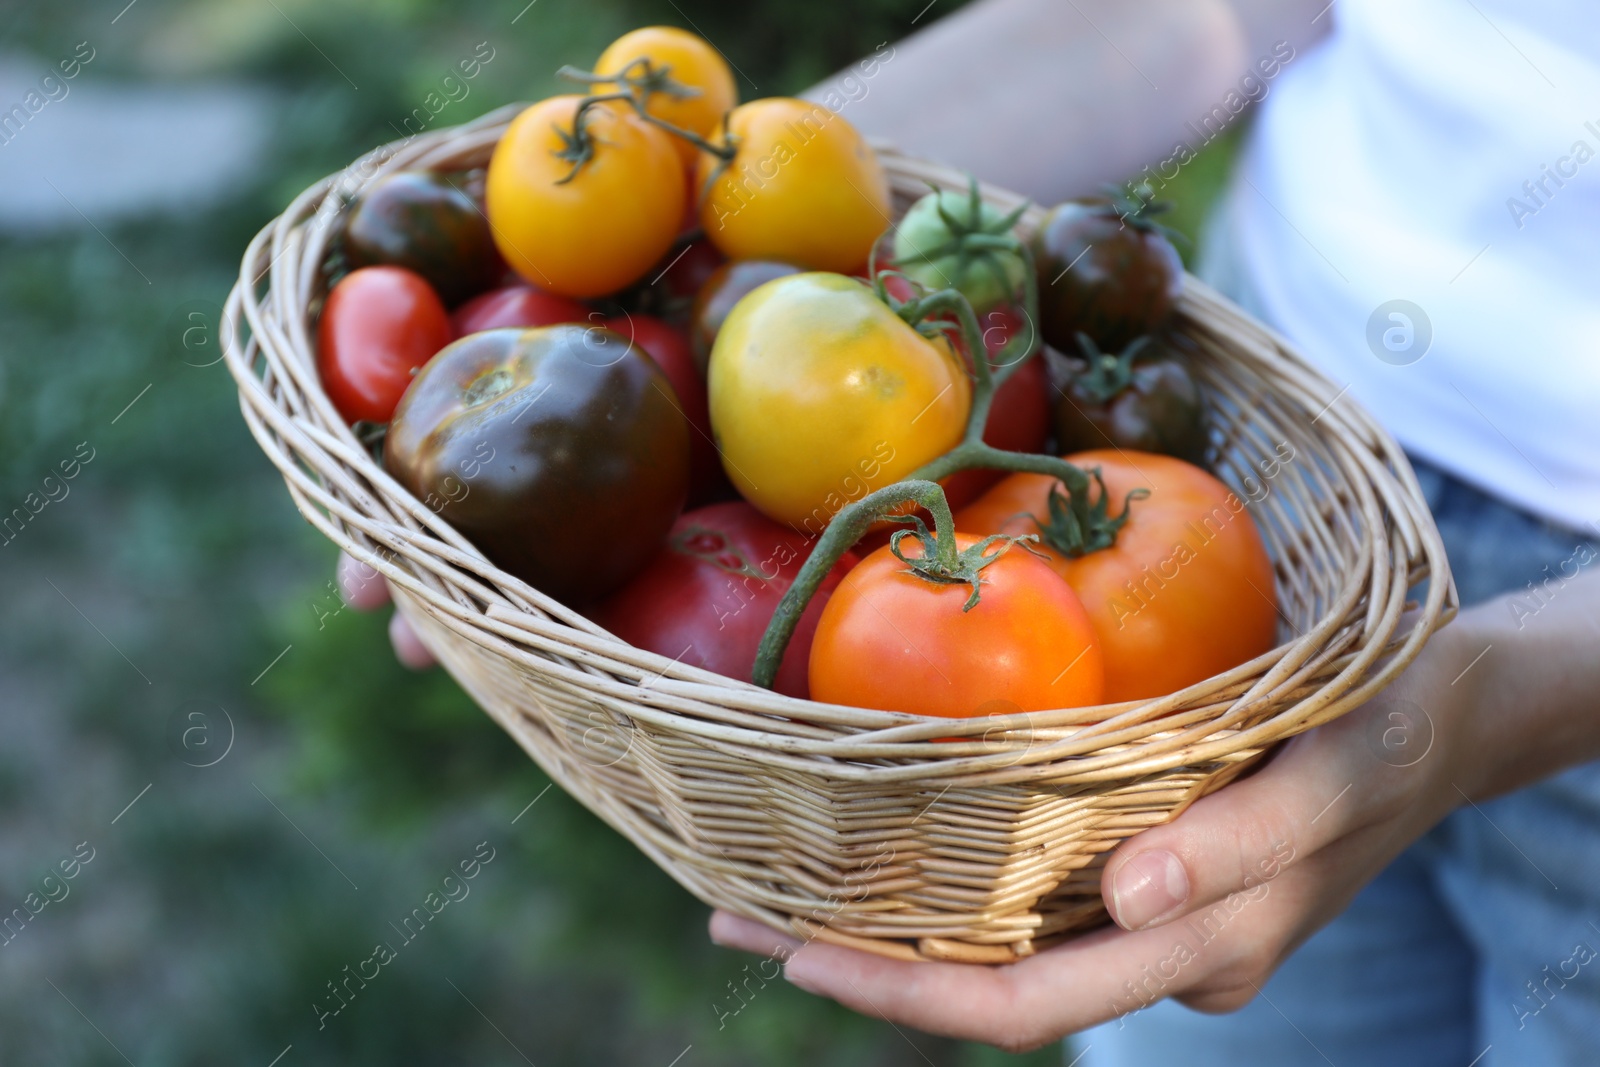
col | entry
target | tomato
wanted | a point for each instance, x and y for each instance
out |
(516, 305)
(603, 228)
(558, 451)
(803, 188)
(707, 597)
(1187, 590)
(925, 249)
(687, 60)
(893, 640)
(727, 286)
(1019, 414)
(378, 326)
(1104, 268)
(420, 220)
(669, 348)
(1144, 399)
(668, 288)
(820, 394)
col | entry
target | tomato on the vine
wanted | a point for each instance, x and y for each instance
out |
(558, 451)
(893, 640)
(803, 187)
(1186, 591)
(1019, 414)
(378, 326)
(687, 60)
(516, 305)
(820, 394)
(707, 597)
(1144, 398)
(584, 215)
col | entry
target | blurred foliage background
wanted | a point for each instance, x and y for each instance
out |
(175, 577)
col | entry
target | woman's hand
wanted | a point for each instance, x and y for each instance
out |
(364, 589)
(1210, 904)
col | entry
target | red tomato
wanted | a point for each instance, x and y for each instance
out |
(516, 305)
(1187, 590)
(1019, 415)
(669, 347)
(687, 268)
(892, 640)
(707, 598)
(379, 325)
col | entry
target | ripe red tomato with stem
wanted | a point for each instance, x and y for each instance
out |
(379, 325)
(707, 597)
(516, 305)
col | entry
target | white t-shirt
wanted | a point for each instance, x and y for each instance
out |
(1445, 153)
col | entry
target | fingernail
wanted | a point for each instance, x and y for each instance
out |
(1147, 887)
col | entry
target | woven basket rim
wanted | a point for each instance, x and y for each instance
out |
(345, 493)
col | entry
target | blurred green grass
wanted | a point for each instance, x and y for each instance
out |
(210, 922)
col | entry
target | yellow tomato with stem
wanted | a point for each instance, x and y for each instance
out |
(820, 394)
(802, 187)
(584, 214)
(687, 60)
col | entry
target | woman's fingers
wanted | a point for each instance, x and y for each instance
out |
(360, 584)
(735, 931)
(408, 647)
(1324, 785)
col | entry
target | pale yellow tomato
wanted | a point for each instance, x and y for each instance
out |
(820, 394)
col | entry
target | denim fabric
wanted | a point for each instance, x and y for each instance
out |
(1482, 940)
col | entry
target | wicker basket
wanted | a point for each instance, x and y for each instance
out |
(848, 825)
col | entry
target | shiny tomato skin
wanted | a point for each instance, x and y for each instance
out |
(689, 61)
(726, 286)
(558, 451)
(707, 597)
(601, 230)
(893, 641)
(426, 222)
(669, 348)
(523, 306)
(804, 188)
(378, 326)
(1187, 591)
(820, 394)
(1114, 280)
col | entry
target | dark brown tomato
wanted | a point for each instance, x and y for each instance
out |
(1144, 400)
(707, 598)
(727, 285)
(425, 222)
(1111, 275)
(558, 451)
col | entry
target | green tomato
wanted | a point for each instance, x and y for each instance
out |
(946, 241)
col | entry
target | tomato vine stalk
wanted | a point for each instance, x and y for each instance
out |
(1080, 520)
(639, 80)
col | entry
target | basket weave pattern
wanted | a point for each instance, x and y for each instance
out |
(840, 823)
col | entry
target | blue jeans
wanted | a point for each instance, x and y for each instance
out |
(1479, 945)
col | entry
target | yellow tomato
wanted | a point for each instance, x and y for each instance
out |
(603, 229)
(687, 60)
(803, 188)
(820, 394)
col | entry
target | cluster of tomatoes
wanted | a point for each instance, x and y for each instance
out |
(656, 298)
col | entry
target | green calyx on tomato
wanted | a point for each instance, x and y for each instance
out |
(1074, 531)
(948, 240)
(637, 83)
(1144, 398)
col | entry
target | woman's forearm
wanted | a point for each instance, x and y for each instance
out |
(1053, 97)
(1534, 695)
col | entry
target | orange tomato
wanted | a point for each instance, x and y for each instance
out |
(607, 226)
(891, 640)
(1186, 592)
(687, 60)
(803, 188)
